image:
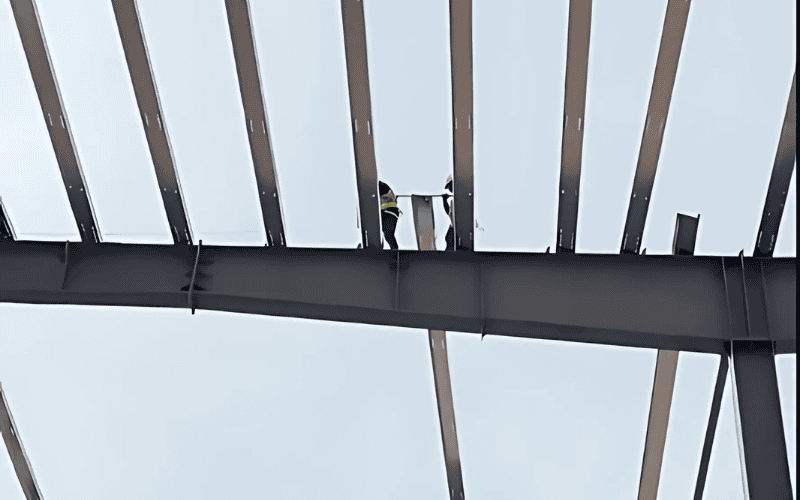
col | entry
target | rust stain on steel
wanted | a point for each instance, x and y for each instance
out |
(155, 127)
(780, 179)
(580, 21)
(463, 121)
(255, 112)
(655, 123)
(355, 44)
(55, 117)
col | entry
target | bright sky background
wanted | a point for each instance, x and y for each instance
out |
(154, 403)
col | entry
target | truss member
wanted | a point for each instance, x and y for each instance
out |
(389, 213)
(450, 236)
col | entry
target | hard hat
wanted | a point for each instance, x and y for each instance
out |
(449, 181)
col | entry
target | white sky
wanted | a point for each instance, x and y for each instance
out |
(145, 403)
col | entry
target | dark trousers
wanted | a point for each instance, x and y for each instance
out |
(449, 240)
(389, 223)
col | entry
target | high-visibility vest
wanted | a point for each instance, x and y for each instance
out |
(389, 200)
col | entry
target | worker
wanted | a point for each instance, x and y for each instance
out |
(389, 213)
(450, 236)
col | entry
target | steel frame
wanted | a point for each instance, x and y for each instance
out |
(255, 112)
(155, 125)
(669, 53)
(20, 460)
(55, 117)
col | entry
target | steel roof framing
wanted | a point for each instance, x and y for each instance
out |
(663, 302)
(424, 227)
(355, 48)
(669, 54)
(579, 31)
(6, 228)
(22, 465)
(462, 90)
(257, 123)
(55, 117)
(780, 179)
(155, 126)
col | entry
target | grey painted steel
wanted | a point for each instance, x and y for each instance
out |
(150, 111)
(22, 465)
(765, 457)
(355, 47)
(660, 403)
(255, 113)
(663, 302)
(664, 384)
(653, 135)
(463, 121)
(424, 228)
(685, 237)
(711, 428)
(6, 228)
(55, 117)
(580, 22)
(780, 179)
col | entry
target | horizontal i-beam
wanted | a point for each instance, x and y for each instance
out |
(662, 302)
(22, 466)
(155, 127)
(355, 49)
(780, 179)
(55, 117)
(669, 54)
(580, 23)
(461, 75)
(255, 113)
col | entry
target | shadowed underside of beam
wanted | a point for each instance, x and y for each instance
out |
(664, 302)
(55, 117)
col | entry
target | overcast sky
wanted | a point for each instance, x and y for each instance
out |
(156, 403)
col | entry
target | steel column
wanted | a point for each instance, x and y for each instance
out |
(711, 428)
(55, 117)
(580, 23)
(657, 110)
(255, 112)
(355, 48)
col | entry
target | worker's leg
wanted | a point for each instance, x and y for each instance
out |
(449, 240)
(389, 222)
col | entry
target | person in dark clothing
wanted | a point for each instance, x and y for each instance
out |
(389, 213)
(450, 236)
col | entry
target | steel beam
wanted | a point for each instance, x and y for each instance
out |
(580, 22)
(660, 97)
(663, 302)
(22, 465)
(423, 225)
(711, 428)
(55, 117)
(255, 112)
(664, 384)
(355, 48)
(155, 126)
(763, 440)
(6, 228)
(781, 177)
(461, 75)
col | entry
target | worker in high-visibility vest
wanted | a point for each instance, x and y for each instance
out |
(389, 213)
(450, 236)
